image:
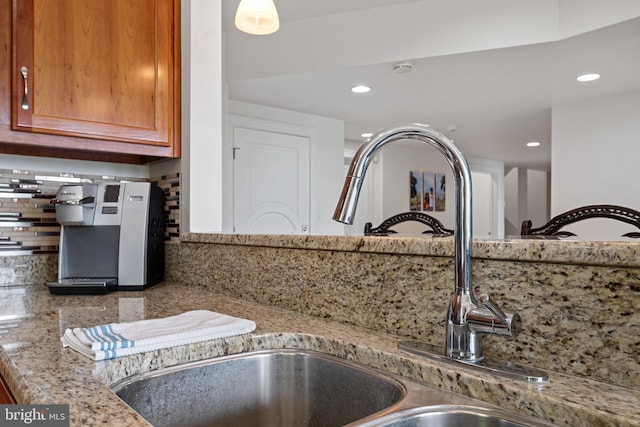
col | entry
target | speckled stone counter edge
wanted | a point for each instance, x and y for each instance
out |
(622, 254)
(25, 269)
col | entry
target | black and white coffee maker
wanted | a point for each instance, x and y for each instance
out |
(111, 237)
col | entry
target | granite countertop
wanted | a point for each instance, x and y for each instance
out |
(622, 253)
(39, 370)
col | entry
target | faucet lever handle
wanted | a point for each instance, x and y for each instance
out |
(490, 305)
(491, 319)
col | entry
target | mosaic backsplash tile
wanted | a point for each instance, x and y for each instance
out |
(171, 186)
(28, 222)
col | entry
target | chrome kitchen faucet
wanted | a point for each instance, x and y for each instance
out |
(468, 317)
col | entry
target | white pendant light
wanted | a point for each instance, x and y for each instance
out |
(258, 17)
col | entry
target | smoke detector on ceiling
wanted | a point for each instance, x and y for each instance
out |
(402, 67)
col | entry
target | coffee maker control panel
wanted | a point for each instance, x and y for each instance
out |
(111, 195)
(109, 204)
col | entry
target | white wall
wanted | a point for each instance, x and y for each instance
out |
(482, 210)
(537, 197)
(512, 190)
(202, 100)
(526, 197)
(594, 158)
(488, 197)
(327, 162)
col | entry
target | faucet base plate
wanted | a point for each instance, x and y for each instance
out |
(501, 368)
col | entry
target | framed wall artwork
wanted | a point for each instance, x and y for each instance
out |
(427, 191)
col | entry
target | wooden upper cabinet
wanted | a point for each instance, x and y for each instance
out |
(103, 70)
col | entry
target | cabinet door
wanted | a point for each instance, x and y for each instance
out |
(99, 69)
(5, 394)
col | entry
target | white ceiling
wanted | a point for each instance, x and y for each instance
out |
(496, 98)
(294, 10)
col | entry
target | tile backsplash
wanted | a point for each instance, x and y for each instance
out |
(28, 223)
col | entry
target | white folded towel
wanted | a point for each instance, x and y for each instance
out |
(122, 339)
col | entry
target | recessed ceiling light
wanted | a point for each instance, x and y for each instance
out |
(360, 89)
(533, 144)
(588, 77)
(366, 134)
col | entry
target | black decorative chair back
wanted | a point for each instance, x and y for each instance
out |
(436, 227)
(552, 228)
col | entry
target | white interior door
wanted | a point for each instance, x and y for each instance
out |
(271, 182)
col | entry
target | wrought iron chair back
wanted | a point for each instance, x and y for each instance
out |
(555, 224)
(436, 227)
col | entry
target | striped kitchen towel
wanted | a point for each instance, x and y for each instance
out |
(122, 339)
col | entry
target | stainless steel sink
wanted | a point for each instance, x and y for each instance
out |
(299, 388)
(451, 416)
(271, 388)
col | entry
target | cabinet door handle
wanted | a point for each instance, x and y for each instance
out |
(25, 97)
